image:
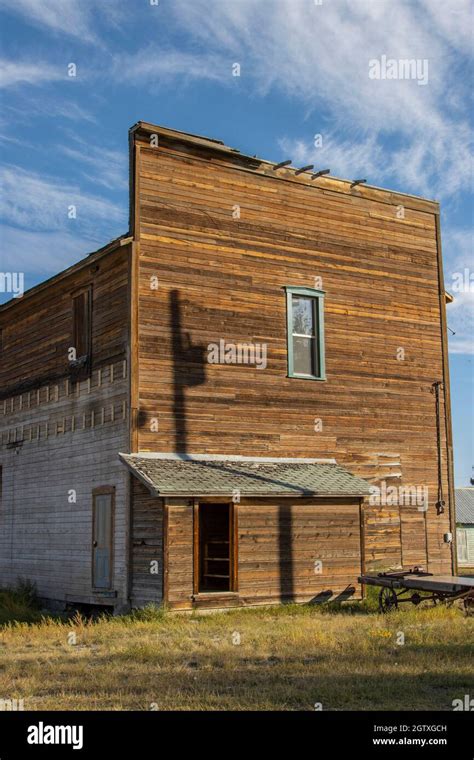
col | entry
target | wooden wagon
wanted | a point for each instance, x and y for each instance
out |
(417, 586)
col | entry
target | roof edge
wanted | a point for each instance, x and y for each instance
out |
(225, 458)
(89, 258)
(130, 461)
(220, 147)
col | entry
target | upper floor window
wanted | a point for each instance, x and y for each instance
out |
(82, 327)
(305, 319)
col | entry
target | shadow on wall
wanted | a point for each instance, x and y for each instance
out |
(189, 370)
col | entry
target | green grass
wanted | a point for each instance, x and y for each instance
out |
(281, 658)
(19, 604)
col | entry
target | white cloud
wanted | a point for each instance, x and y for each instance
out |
(75, 18)
(318, 56)
(458, 253)
(345, 158)
(44, 106)
(458, 248)
(460, 316)
(41, 253)
(453, 23)
(28, 72)
(155, 65)
(40, 203)
(101, 165)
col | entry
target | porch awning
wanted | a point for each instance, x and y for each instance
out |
(205, 475)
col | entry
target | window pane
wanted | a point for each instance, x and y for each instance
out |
(303, 351)
(302, 315)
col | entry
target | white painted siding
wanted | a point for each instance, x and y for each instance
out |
(46, 535)
(465, 536)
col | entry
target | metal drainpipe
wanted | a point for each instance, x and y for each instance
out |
(440, 504)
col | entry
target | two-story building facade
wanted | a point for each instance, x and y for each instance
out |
(243, 400)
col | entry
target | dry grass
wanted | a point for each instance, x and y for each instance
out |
(288, 658)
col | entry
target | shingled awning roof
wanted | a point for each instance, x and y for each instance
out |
(464, 498)
(200, 475)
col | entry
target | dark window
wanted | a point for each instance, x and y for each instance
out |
(305, 333)
(215, 547)
(82, 324)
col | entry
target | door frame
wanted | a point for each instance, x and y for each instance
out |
(233, 547)
(103, 491)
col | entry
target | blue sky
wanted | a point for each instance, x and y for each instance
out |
(304, 71)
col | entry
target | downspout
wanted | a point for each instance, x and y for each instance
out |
(446, 396)
(440, 503)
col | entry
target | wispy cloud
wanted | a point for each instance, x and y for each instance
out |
(101, 165)
(318, 56)
(458, 247)
(75, 18)
(157, 66)
(41, 254)
(37, 235)
(44, 105)
(35, 202)
(346, 158)
(14, 73)
(460, 315)
(458, 243)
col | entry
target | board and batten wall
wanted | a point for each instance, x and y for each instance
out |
(60, 439)
(222, 237)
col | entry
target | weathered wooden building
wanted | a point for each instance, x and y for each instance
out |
(465, 527)
(244, 400)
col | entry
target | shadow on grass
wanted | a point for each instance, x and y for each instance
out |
(195, 681)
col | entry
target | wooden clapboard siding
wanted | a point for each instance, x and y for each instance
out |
(39, 332)
(60, 436)
(277, 543)
(280, 541)
(46, 512)
(224, 234)
(221, 277)
(383, 546)
(179, 567)
(146, 546)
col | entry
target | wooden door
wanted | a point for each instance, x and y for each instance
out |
(102, 538)
(215, 539)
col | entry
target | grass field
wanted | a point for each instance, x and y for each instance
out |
(286, 658)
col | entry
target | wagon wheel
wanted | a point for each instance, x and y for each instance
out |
(468, 603)
(387, 600)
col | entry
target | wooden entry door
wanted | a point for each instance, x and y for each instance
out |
(215, 548)
(102, 537)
